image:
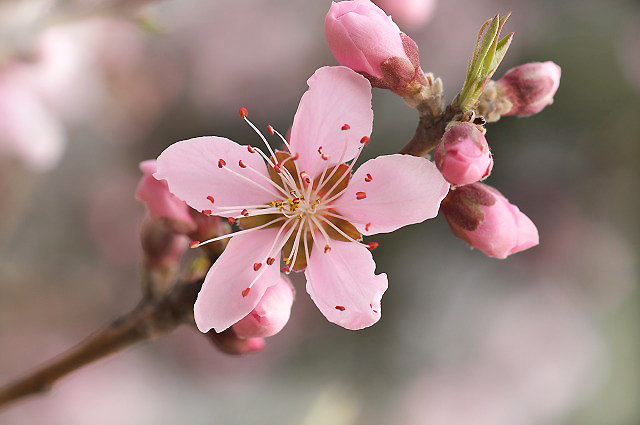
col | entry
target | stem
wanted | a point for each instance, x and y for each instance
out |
(151, 318)
(429, 132)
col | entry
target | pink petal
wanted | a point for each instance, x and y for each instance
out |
(342, 283)
(191, 168)
(337, 98)
(224, 299)
(402, 190)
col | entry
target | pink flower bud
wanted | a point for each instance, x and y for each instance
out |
(362, 37)
(409, 13)
(271, 314)
(161, 246)
(482, 217)
(529, 87)
(161, 203)
(463, 155)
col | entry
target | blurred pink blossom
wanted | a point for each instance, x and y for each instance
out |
(482, 217)
(463, 154)
(331, 126)
(411, 14)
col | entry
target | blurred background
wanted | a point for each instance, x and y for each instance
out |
(88, 89)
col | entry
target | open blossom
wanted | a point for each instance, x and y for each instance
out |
(463, 154)
(303, 203)
(482, 217)
(529, 87)
(362, 37)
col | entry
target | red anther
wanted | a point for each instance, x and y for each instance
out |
(231, 221)
(365, 140)
(194, 244)
(368, 178)
(285, 270)
(270, 130)
(245, 213)
(206, 212)
(221, 163)
(270, 260)
(305, 177)
(250, 149)
(244, 113)
(340, 308)
(277, 168)
(256, 266)
(210, 198)
(366, 228)
(296, 156)
(324, 157)
(373, 245)
(327, 248)
(245, 292)
(320, 150)
(242, 164)
(360, 195)
(346, 127)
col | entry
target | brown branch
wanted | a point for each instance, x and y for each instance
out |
(151, 318)
(428, 133)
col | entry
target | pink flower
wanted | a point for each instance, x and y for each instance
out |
(362, 37)
(409, 13)
(29, 131)
(529, 87)
(162, 204)
(303, 203)
(463, 154)
(271, 314)
(482, 217)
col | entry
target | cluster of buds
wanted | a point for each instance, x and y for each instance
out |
(171, 226)
(362, 37)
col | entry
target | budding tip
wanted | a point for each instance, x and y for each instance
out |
(244, 113)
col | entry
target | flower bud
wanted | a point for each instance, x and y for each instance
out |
(162, 204)
(271, 314)
(463, 155)
(482, 217)
(362, 37)
(409, 13)
(529, 87)
(161, 246)
(228, 342)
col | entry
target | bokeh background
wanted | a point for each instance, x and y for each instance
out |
(548, 336)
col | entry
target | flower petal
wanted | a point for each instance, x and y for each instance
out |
(191, 168)
(342, 283)
(224, 299)
(398, 190)
(334, 115)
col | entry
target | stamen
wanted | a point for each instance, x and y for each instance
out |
(241, 164)
(250, 149)
(255, 183)
(365, 140)
(210, 198)
(367, 227)
(345, 127)
(368, 178)
(360, 195)
(340, 308)
(270, 130)
(231, 220)
(244, 113)
(373, 245)
(245, 292)
(221, 163)
(270, 260)
(256, 266)
(327, 248)
(206, 212)
(245, 212)
(196, 244)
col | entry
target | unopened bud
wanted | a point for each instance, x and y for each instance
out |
(529, 87)
(162, 248)
(162, 204)
(271, 314)
(409, 13)
(362, 37)
(463, 155)
(228, 342)
(482, 217)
